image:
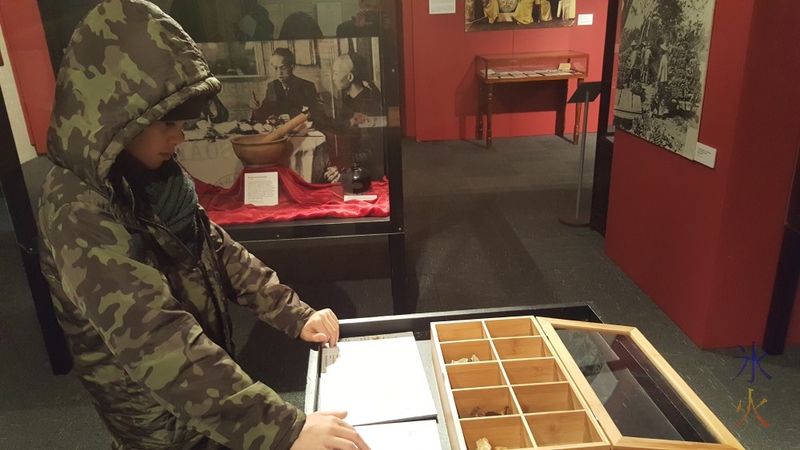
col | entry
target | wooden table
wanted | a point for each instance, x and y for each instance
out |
(527, 68)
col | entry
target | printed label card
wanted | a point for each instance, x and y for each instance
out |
(261, 188)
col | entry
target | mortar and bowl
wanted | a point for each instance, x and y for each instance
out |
(256, 150)
(263, 150)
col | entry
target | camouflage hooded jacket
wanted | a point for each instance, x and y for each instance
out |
(146, 319)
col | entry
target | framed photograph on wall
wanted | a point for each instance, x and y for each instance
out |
(495, 15)
(663, 55)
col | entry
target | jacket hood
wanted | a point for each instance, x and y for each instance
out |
(126, 66)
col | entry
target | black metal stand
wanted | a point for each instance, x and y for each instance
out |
(585, 93)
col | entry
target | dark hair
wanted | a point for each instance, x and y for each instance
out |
(360, 69)
(190, 109)
(300, 25)
(288, 56)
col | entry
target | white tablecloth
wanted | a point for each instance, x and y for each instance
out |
(212, 161)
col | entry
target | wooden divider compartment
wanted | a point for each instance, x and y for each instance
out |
(537, 370)
(535, 398)
(511, 327)
(470, 375)
(504, 431)
(518, 369)
(522, 347)
(562, 428)
(454, 351)
(490, 402)
(460, 331)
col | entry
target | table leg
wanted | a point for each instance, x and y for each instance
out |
(397, 262)
(479, 119)
(578, 109)
(489, 96)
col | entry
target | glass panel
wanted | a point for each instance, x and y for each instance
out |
(635, 394)
(310, 91)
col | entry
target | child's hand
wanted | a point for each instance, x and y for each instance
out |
(322, 327)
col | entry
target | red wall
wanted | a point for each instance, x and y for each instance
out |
(441, 91)
(24, 36)
(702, 243)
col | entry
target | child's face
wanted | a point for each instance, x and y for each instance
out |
(157, 143)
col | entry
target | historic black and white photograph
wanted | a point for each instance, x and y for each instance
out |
(324, 96)
(663, 55)
(494, 15)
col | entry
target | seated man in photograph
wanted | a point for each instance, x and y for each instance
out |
(287, 94)
(361, 102)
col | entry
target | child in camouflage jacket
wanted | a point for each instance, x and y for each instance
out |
(139, 276)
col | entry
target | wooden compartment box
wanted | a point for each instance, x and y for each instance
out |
(534, 382)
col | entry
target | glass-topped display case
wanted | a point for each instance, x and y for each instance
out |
(531, 67)
(538, 382)
(555, 65)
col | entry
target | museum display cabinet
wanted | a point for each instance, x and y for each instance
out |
(532, 67)
(326, 153)
(339, 172)
(539, 382)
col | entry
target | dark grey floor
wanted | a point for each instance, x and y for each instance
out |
(481, 232)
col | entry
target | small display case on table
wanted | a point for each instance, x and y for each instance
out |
(536, 382)
(527, 68)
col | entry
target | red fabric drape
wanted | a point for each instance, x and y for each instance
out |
(297, 199)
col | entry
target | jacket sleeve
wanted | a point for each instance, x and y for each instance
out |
(156, 341)
(257, 287)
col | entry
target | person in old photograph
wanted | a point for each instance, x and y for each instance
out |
(491, 9)
(663, 65)
(563, 9)
(647, 60)
(662, 76)
(360, 102)
(368, 21)
(287, 94)
(300, 25)
(545, 12)
(523, 14)
(633, 63)
(255, 24)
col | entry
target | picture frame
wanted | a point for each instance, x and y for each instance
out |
(496, 15)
